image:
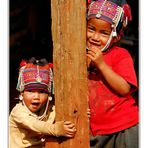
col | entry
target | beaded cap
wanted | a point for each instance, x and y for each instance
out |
(35, 77)
(116, 12)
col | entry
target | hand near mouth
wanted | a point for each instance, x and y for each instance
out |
(95, 55)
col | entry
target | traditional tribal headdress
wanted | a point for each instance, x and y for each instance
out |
(115, 12)
(33, 76)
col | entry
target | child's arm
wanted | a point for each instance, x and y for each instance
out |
(116, 82)
(61, 128)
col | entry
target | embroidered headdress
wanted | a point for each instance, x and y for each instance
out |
(35, 76)
(115, 12)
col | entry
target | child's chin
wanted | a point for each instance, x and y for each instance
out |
(34, 109)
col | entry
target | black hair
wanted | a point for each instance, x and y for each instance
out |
(40, 62)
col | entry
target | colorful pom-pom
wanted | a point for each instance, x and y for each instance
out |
(23, 63)
(50, 65)
(127, 11)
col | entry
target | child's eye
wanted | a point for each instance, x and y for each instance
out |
(90, 28)
(107, 33)
(30, 90)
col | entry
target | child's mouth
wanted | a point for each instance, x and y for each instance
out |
(95, 45)
(35, 104)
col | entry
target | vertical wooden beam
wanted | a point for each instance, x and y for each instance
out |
(70, 75)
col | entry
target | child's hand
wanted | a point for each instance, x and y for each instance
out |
(64, 128)
(88, 113)
(69, 128)
(96, 56)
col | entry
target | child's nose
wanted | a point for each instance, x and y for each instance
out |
(96, 36)
(36, 95)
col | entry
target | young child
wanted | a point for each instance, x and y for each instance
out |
(33, 117)
(111, 77)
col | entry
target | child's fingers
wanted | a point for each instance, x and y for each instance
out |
(88, 109)
(70, 132)
(70, 135)
(69, 128)
(69, 124)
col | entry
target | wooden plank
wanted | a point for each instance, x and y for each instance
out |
(70, 75)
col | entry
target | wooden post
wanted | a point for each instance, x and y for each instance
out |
(70, 74)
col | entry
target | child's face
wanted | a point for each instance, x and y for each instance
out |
(98, 33)
(35, 99)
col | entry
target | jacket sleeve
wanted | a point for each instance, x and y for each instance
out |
(22, 118)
